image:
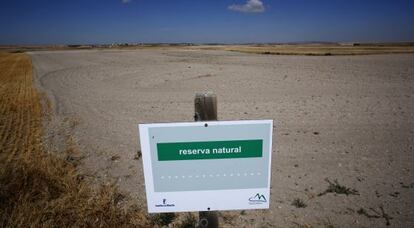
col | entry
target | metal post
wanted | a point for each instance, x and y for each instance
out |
(205, 105)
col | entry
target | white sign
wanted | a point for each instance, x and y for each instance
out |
(202, 166)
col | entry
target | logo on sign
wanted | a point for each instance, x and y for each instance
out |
(165, 204)
(257, 199)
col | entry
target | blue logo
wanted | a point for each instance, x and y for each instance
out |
(257, 199)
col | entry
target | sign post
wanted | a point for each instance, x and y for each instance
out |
(205, 109)
(207, 165)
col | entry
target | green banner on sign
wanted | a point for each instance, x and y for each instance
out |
(209, 150)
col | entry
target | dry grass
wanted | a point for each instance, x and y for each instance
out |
(319, 50)
(269, 49)
(37, 188)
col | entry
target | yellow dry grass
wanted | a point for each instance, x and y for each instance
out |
(38, 188)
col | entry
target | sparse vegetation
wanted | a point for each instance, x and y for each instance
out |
(314, 49)
(138, 155)
(39, 188)
(299, 203)
(407, 185)
(376, 214)
(265, 49)
(335, 187)
(17, 51)
(189, 221)
(162, 219)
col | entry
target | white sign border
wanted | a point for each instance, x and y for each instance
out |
(162, 202)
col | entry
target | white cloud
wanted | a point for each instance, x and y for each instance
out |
(251, 6)
(126, 1)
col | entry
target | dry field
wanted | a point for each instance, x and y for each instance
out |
(343, 140)
(315, 50)
(267, 49)
(39, 188)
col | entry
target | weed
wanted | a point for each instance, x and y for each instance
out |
(335, 187)
(299, 203)
(407, 185)
(138, 155)
(376, 214)
(115, 157)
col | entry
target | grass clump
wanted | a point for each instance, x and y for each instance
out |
(299, 203)
(335, 187)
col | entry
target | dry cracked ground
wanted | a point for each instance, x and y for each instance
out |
(343, 140)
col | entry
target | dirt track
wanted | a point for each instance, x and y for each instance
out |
(349, 118)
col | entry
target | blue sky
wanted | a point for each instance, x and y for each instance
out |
(204, 21)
